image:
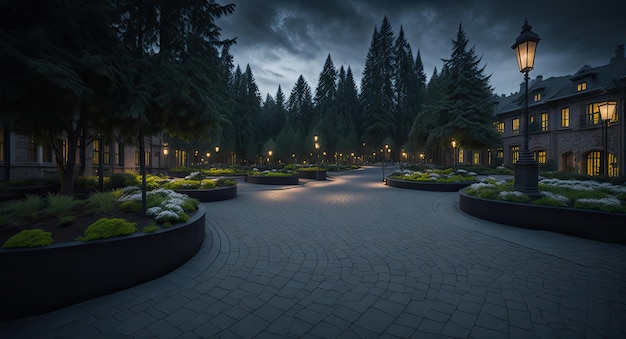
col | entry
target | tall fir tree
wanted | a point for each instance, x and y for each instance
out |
(459, 103)
(300, 105)
(407, 93)
(376, 86)
(326, 108)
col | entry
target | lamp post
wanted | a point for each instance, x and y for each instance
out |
(217, 154)
(607, 109)
(269, 159)
(526, 167)
(454, 154)
(317, 149)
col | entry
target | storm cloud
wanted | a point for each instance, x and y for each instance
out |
(282, 39)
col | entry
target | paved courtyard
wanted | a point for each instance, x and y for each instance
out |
(353, 258)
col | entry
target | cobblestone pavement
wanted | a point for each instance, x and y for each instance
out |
(353, 258)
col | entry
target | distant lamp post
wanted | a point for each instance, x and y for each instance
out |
(607, 109)
(454, 154)
(317, 148)
(422, 156)
(217, 153)
(526, 167)
(269, 159)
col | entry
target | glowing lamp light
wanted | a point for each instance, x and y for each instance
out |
(607, 109)
(525, 47)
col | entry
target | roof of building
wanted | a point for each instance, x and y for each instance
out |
(609, 76)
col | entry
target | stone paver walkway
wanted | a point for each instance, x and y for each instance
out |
(353, 258)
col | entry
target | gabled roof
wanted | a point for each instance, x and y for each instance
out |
(598, 79)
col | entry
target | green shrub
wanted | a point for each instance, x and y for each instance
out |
(190, 205)
(182, 184)
(121, 180)
(225, 182)
(131, 206)
(29, 238)
(107, 228)
(101, 202)
(66, 220)
(274, 174)
(6, 219)
(547, 201)
(59, 205)
(208, 184)
(151, 228)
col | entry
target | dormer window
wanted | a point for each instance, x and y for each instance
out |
(582, 86)
(537, 97)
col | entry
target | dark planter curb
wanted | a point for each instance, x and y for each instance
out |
(590, 224)
(263, 180)
(428, 186)
(39, 280)
(213, 194)
(317, 175)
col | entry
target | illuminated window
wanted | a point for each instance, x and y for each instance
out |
(593, 163)
(118, 155)
(500, 127)
(107, 154)
(540, 156)
(147, 158)
(514, 153)
(499, 153)
(515, 126)
(565, 117)
(593, 114)
(476, 159)
(537, 97)
(96, 151)
(544, 121)
(581, 86)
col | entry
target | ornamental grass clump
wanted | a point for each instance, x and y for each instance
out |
(60, 206)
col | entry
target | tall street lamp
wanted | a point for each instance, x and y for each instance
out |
(317, 149)
(526, 167)
(217, 154)
(454, 154)
(269, 159)
(607, 109)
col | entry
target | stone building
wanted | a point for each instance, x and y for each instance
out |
(565, 128)
(22, 157)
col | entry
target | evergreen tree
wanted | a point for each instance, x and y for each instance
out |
(325, 99)
(376, 86)
(347, 106)
(407, 93)
(459, 103)
(300, 106)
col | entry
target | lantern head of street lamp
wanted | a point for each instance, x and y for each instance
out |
(217, 149)
(607, 109)
(453, 143)
(315, 138)
(525, 47)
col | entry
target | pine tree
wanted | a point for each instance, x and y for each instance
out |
(376, 86)
(300, 105)
(326, 124)
(459, 103)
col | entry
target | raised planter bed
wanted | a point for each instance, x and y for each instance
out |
(428, 186)
(39, 280)
(268, 180)
(317, 175)
(213, 194)
(590, 224)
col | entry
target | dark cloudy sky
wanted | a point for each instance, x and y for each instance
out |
(282, 39)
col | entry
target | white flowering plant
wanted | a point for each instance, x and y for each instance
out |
(163, 205)
(584, 194)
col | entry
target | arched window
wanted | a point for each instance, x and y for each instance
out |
(593, 163)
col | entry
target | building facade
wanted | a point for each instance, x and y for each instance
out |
(565, 128)
(22, 157)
